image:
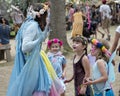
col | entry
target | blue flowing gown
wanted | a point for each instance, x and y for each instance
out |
(29, 75)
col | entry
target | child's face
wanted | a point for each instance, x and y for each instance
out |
(94, 50)
(55, 47)
(77, 46)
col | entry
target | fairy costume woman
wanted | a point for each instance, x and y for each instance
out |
(31, 75)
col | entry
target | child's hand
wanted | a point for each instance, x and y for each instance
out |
(88, 82)
(63, 75)
(83, 89)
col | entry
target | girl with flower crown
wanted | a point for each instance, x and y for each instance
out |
(57, 59)
(100, 73)
(32, 74)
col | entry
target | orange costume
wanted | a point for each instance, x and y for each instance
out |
(77, 24)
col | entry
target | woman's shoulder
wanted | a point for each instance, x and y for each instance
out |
(30, 21)
(33, 23)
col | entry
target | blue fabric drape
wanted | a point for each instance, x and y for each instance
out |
(28, 76)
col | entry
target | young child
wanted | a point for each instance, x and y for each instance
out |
(57, 59)
(100, 82)
(81, 66)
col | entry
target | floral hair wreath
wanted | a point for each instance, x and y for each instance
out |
(42, 11)
(33, 13)
(55, 40)
(101, 46)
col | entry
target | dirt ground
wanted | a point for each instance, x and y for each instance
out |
(6, 68)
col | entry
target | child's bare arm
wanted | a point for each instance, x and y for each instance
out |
(103, 78)
(69, 80)
(86, 66)
(64, 70)
(103, 71)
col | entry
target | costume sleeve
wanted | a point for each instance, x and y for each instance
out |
(28, 37)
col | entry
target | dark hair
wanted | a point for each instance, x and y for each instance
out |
(42, 19)
(104, 1)
(83, 40)
(6, 21)
(77, 9)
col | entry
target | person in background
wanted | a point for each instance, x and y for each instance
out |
(57, 59)
(4, 31)
(70, 15)
(4, 35)
(77, 27)
(105, 18)
(115, 45)
(96, 20)
(17, 17)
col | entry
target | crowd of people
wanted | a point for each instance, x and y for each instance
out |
(36, 73)
(92, 18)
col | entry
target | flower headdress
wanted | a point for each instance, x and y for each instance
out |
(33, 13)
(101, 46)
(55, 40)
